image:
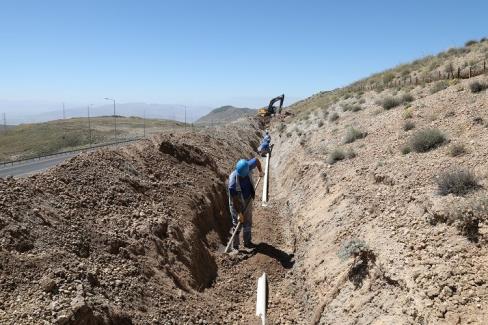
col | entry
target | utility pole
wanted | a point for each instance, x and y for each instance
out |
(115, 119)
(89, 127)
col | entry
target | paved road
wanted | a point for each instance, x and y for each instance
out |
(33, 166)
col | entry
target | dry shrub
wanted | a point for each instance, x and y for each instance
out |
(389, 102)
(438, 86)
(457, 149)
(336, 155)
(457, 181)
(408, 125)
(333, 117)
(426, 140)
(353, 134)
(467, 217)
(477, 86)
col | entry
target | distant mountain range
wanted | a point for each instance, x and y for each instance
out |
(225, 114)
(27, 112)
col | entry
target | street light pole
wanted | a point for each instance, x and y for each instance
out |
(4, 122)
(89, 126)
(115, 119)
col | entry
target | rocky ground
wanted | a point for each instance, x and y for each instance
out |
(424, 270)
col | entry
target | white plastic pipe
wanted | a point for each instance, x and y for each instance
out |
(265, 184)
(261, 299)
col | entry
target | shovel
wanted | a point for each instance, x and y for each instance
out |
(239, 223)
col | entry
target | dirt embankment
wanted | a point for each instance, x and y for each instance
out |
(120, 236)
(424, 270)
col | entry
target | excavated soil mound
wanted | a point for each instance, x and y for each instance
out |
(120, 236)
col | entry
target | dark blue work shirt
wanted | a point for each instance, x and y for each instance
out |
(246, 187)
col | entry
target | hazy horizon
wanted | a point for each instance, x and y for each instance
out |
(218, 53)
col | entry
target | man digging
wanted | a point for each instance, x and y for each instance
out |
(241, 193)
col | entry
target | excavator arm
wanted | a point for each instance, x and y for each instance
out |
(271, 108)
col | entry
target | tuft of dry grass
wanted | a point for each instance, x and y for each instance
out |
(353, 134)
(457, 181)
(457, 149)
(427, 139)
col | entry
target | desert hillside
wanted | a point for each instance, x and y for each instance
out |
(387, 189)
(225, 114)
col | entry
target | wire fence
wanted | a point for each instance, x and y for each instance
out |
(450, 72)
(67, 152)
(29, 141)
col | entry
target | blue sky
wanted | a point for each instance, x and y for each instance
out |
(215, 52)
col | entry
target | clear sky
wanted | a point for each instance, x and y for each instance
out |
(211, 52)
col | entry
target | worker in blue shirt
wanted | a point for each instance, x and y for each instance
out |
(267, 137)
(264, 146)
(241, 193)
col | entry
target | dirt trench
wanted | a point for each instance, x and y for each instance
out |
(135, 236)
(232, 298)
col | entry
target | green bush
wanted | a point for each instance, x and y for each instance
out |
(457, 182)
(335, 155)
(355, 108)
(408, 113)
(438, 86)
(408, 125)
(470, 43)
(426, 140)
(390, 102)
(407, 98)
(457, 150)
(353, 134)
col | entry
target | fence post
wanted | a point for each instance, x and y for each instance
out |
(459, 73)
(469, 72)
(484, 66)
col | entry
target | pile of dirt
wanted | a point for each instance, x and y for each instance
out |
(121, 236)
(422, 268)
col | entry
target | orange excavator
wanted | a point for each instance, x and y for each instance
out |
(271, 109)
